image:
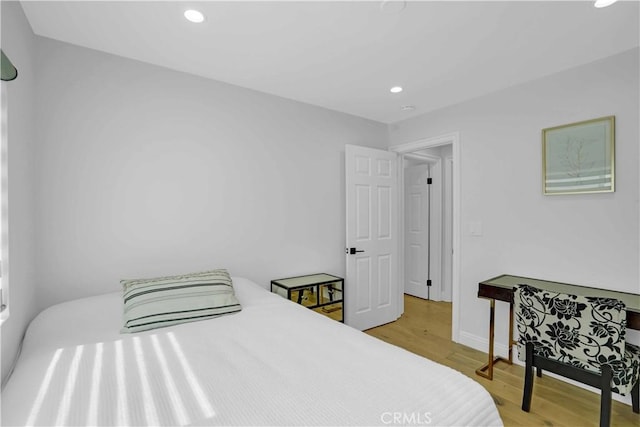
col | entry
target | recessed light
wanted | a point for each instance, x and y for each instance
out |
(604, 3)
(396, 89)
(194, 16)
(408, 107)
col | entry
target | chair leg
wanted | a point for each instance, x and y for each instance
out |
(528, 378)
(605, 396)
(538, 372)
(635, 397)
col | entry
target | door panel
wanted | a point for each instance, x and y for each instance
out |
(385, 281)
(371, 227)
(363, 216)
(384, 212)
(363, 280)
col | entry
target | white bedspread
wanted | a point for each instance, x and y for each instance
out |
(274, 363)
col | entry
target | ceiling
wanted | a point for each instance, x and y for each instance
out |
(345, 55)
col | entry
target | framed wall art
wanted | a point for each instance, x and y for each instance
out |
(579, 157)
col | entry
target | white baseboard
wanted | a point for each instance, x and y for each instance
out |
(482, 344)
(500, 349)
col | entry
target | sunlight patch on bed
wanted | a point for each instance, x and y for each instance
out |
(94, 394)
(69, 387)
(150, 411)
(177, 406)
(123, 410)
(44, 387)
(196, 389)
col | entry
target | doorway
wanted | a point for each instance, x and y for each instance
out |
(444, 149)
(422, 224)
(427, 262)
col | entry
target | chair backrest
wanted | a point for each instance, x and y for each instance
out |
(582, 331)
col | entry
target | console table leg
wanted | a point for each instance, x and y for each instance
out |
(510, 341)
(486, 371)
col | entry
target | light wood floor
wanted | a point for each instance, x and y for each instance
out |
(425, 329)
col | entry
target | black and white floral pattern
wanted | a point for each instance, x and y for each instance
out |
(581, 331)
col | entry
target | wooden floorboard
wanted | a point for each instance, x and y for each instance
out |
(425, 329)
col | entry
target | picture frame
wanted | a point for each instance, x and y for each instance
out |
(579, 158)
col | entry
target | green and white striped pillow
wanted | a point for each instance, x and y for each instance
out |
(165, 301)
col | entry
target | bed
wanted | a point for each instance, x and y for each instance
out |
(273, 363)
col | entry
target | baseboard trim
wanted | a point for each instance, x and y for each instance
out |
(482, 344)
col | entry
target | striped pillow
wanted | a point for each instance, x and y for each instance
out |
(165, 301)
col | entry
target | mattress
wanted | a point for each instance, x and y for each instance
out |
(274, 363)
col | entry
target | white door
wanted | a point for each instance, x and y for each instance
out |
(447, 244)
(371, 288)
(416, 236)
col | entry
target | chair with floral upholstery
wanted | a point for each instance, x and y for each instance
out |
(582, 338)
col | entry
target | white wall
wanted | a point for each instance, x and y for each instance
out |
(18, 42)
(146, 171)
(583, 239)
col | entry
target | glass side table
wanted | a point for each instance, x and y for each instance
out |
(323, 293)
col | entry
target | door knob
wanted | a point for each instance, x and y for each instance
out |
(352, 251)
